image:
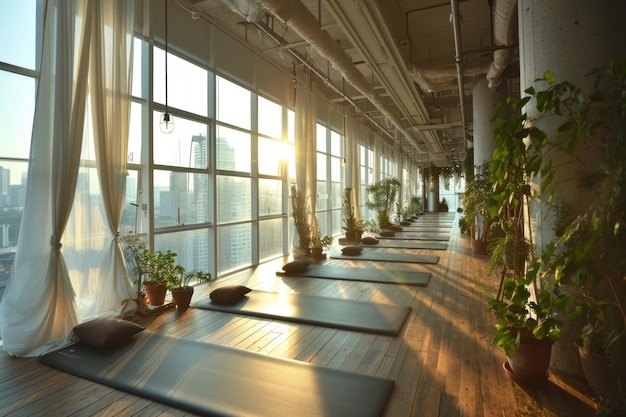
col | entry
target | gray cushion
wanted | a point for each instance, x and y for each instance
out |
(106, 332)
(229, 294)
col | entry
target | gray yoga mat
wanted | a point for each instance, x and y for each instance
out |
(388, 257)
(212, 380)
(405, 244)
(363, 316)
(363, 274)
(415, 236)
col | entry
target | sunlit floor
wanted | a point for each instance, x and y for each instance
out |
(442, 362)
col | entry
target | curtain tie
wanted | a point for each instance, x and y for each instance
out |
(54, 242)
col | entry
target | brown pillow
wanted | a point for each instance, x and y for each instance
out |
(295, 267)
(369, 240)
(351, 250)
(106, 332)
(396, 228)
(229, 294)
(387, 233)
(405, 223)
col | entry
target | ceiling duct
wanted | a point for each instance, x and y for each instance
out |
(505, 32)
(299, 18)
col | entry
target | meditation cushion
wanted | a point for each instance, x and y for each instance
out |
(351, 250)
(106, 332)
(396, 228)
(387, 233)
(295, 267)
(405, 223)
(229, 294)
(369, 240)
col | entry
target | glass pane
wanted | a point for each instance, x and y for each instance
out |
(187, 84)
(270, 197)
(272, 154)
(134, 134)
(192, 248)
(335, 143)
(13, 197)
(291, 151)
(270, 120)
(233, 150)
(128, 223)
(336, 195)
(180, 198)
(18, 30)
(270, 238)
(321, 138)
(137, 68)
(233, 104)
(335, 169)
(186, 146)
(234, 246)
(16, 113)
(322, 196)
(336, 219)
(234, 202)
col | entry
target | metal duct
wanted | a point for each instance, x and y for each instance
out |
(504, 32)
(300, 19)
(459, 61)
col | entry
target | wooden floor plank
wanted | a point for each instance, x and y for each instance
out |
(442, 362)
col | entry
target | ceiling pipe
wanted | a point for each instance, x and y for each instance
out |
(504, 35)
(459, 62)
(300, 19)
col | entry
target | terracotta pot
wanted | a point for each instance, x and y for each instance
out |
(182, 298)
(156, 294)
(532, 360)
(317, 252)
(479, 247)
(597, 370)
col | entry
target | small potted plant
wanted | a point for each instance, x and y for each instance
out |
(181, 288)
(300, 213)
(319, 242)
(352, 226)
(383, 196)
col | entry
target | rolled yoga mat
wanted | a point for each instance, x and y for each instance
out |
(367, 255)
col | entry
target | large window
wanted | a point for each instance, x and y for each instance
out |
(329, 180)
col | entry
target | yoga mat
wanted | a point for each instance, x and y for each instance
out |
(399, 244)
(414, 236)
(212, 380)
(363, 316)
(388, 257)
(363, 274)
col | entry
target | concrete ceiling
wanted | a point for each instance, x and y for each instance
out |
(393, 61)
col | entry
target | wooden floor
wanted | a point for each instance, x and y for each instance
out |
(443, 363)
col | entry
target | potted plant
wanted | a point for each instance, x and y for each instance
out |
(319, 242)
(383, 196)
(476, 208)
(352, 226)
(526, 328)
(300, 213)
(587, 260)
(523, 307)
(150, 270)
(181, 288)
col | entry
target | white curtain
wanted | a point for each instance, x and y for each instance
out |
(352, 163)
(39, 307)
(305, 146)
(92, 252)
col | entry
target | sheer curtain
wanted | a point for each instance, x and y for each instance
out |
(352, 163)
(94, 259)
(39, 306)
(305, 145)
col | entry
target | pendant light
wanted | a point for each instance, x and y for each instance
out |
(167, 121)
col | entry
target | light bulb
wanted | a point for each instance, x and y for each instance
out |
(167, 123)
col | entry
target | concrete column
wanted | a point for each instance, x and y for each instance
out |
(567, 38)
(485, 102)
